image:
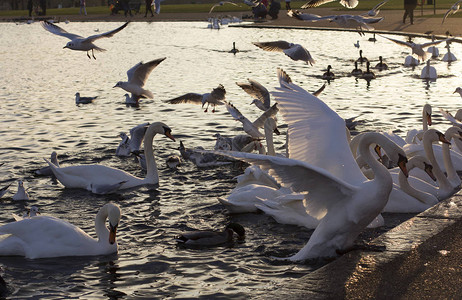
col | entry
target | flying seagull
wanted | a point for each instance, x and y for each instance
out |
(417, 49)
(215, 98)
(316, 3)
(454, 8)
(137, 77)
(294, 51)
(221, 3)
(78, 42)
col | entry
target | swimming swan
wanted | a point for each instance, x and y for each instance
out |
(45, 236)
(91, 177)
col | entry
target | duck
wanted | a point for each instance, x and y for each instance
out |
(328, 75)
(356, 71)
(361, 59)
(381, 65)
(209, 238)
(428, 72)
(21, 194)
(46, 236)
(46, 171)
(83, 100)
(98, 177)
(234, 50)
(368, 75)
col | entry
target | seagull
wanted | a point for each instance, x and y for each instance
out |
(78, 42)
(417, 49)
(307, 17)
(213, 98)
(137, 77)
(132, 100)
(132, 144)
(31, 212)
(316, 3)
(221, 3)
(375, 10)
(458, 90)
(358, 22)
(258, 92)
(454, 8)
(21, 194)
(356, 44)
(83, 100)
(294, 51)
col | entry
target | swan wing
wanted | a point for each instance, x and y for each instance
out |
(256, 90)
(139, 73)
(317, 134)
(187, 98)
(323, 189)
(276, 46)
(106, 34)
(59, 31)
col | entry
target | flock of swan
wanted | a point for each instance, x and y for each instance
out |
(326, 180)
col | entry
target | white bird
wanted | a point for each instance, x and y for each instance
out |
(458, 90)
(3, 190)
(359, 23)
(97, 177)
(21, 194)
(307, 17)
(294, 51)
(30, 213)
(221, 3)
(316, 3)
(375, 10)
(201, 159)
(411, 61)
(449, 56)
(46, 171)
(454, 8)
(137, 77)
(455, 120)
(428, 72)
(258, 92)
(78, 42)
(213, 98)
(433, 49)
(45, 236)
(83, 100)
(417, 49)
(129, 145)
(356, 44)
(132, 100)
(414, 136)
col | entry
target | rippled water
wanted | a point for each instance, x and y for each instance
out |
(38, 81)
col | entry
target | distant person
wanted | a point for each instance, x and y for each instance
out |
(30, 6)
(126, 7)
(157, 6)
(82, 6)
(43, 6)
(259, 11)
(409, 6)
(274, 8)
(148, 8)
(288, 5)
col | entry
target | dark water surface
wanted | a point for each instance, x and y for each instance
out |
(38, 80)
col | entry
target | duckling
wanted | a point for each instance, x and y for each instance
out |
(381, 65)
(212, 238)
(356, 71)
(361, 59)
(328, 75)
(368, 75)
(234, 50)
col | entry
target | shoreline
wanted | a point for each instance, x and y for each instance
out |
(424, 22)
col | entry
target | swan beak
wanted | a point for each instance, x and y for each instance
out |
(429, 119)
(402, 161)
(429, 171)
(112, 233)
(442, 138)
(378, 150)
(169, 135)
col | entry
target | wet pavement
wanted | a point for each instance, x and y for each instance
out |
(422, 260)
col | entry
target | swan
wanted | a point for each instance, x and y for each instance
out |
(46, 171)
(411, 61)
(361, 59)
(212, 238)
(428, 72)
(45, 236)
(433, 49)
(381, 65)
(449, 56)
(368, 75)
(21, 194)
(356, 71)
(91, 177)
(328, 75)
(415, 135)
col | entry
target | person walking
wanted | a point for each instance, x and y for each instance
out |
(288, 5)
(148, 8)
(409, 6)
(82, 6)
(30, 6)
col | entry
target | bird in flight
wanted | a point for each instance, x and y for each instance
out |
(78, 42)
(221, 3)
(294, 51)
(215, 98)
(417, 49)
(454, 8)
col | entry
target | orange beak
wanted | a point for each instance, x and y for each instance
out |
(112, 233)
(170, 136)
(429, 120)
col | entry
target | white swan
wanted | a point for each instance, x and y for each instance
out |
(428, 72)
(44, 236)
(98, 177)
(449, 56)
(415, 135)
(411, 61)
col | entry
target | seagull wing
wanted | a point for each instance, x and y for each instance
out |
(272, 111)
(446, 15)
(256, 90)
(105, 35)
(378, 6)
(447, 115)
(234, 111)
(140, 72)
(298, 52)
(59, 31)
(315, 3)
(399, 42)
(211, 9)
(349, 3)
(187, 98)
(435, 42)
(276, 46)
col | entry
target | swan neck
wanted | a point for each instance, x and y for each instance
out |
(447, 160)
(440, 177)
(152, 176)
(408, 189)
(381, 173)
(100, 224)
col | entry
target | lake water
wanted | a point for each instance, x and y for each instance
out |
(38, 114)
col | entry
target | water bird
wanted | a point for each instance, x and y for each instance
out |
(294, 51)
(307, 17)
(213, 98)
(83, 100)
(368, 74)
(449, 56)
(328, 75)
(455, 120)
(78, 42)
(30, 213)
(46, 236)
(316, 3)
(417, 49)
(21, 194)
(173, 161)
(99, 178)
(258, 92)
(356, 44)
(411, 61)
(428, 72)
(372, 39)
(433, 49)
(129, 145)
(132, 100)
(212, 238)
(361, 58)
(221, 3)
(200, 158)
(375, 10)
(234, 50)
(381, 65)
(359, 23)
(46, 171)
(458, 90)
(452, 10)
(137, 77)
